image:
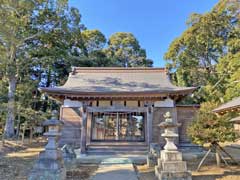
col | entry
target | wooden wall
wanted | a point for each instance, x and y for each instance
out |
(186, 115)
(158, 117)
(71, 131)
(183, 114)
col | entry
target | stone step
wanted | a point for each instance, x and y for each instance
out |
(117, 143)
(115, 152)
(117, 149)
(144, 148)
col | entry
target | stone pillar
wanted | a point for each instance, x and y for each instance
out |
(83, 129)
(170, 164)
(50, 164)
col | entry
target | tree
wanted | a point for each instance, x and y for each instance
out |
(207, 55)
(93, 40)
(210, 128)
(194, 56)
(125, 48)
(22, 22)
(228, 70)
(56, 50)
(39, 42)
(228, 67)
(198, 49)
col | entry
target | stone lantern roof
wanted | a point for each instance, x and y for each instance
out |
(53, 121)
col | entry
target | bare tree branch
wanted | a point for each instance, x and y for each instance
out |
(29, 38)
(33, 36)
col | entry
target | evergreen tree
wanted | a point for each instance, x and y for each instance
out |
(205, 54)
(210, 128)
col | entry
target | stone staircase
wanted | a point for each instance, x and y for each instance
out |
(117, 149)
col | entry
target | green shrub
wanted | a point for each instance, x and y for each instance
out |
(208, 127)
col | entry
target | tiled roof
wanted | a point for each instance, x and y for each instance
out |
(233, 104)
(236, 119)
(118, 80)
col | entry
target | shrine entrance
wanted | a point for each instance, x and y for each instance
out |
(118, 126)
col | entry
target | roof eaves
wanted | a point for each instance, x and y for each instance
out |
(227, 106)
(62, 90)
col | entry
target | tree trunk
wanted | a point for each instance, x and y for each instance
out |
(9, 126)
(31, 135)
(18, 127)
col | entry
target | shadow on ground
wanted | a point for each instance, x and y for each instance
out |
(17, 159)
(225, 176)
(83, 172)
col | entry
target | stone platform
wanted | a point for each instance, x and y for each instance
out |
(172, 167)
(99, 158)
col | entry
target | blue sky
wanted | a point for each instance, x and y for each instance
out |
(155, 23)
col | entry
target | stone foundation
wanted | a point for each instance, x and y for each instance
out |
(166, 175)
(171, 167)
(49, 166)
(49, 175)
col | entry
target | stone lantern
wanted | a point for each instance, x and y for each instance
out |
(169, 132)
(53, 133)
(170, 164)
(50, 163)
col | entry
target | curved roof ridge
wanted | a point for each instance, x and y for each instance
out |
(117, 69)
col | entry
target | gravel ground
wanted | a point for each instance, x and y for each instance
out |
(209, 171)
(83, 172)
(17, 160)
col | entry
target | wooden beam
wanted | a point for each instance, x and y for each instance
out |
(117, 108)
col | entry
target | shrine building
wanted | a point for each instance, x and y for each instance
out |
(119, 107)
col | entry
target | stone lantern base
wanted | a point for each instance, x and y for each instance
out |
(49, 166)
(172, 167)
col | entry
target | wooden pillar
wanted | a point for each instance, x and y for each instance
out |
(174, 118)
(149, 122)
(83, 141)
